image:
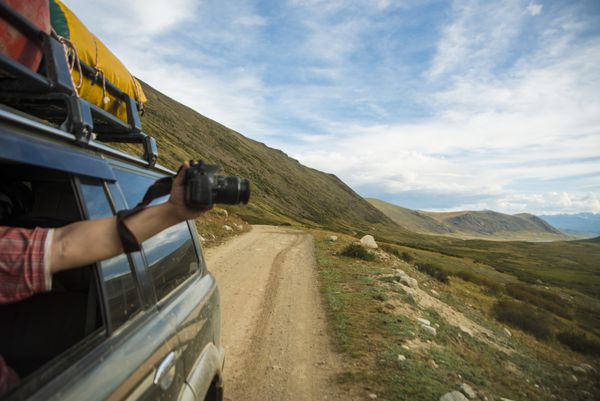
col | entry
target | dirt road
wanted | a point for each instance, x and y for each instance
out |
(274, 327)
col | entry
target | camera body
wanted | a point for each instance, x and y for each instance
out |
(204, 188)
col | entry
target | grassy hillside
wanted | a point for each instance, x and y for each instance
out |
(471, 224)
(283, 190)
(413, 220)
(504, 338)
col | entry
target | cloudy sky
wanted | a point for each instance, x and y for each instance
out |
(435, 105)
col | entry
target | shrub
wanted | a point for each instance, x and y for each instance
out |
(434, 271)
(407, 257)
(524, 317)
(579, 342)
(543, 299)
(357, 251)
(479, 279)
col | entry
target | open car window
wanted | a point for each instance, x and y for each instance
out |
(70, 314)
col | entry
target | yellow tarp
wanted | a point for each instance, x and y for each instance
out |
(95, 54)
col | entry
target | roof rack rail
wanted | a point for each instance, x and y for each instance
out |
(49, 93)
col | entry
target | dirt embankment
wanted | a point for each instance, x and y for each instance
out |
(274, 324)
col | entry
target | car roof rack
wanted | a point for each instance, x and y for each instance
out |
(49, 94)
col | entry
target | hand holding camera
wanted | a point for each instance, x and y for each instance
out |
(197, 187)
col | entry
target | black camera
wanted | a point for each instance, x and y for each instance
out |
(203, 188)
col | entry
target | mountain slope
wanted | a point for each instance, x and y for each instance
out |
(412, 220)
(469, 224)
(283, 190)
(585, 224)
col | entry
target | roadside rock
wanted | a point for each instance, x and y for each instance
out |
(465, 330)
(369, 242)
(401, 358)
(453, 396)
(507, 332)
(424, 321)
(373, 396)
(412, 298)
(333, 238)
(222, 212)
(409, 282)
(467, 390)
(226, 227)
(435, 293)
(429, 330)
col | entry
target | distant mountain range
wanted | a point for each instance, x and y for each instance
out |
(582, 224)
(472, 224)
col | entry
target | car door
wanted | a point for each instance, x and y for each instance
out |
(136, 361)
(185, 292)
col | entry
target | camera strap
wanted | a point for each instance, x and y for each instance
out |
(160, 188)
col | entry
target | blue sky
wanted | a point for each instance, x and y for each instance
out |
(435, 105)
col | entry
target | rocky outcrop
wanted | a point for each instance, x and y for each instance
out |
(369, 242)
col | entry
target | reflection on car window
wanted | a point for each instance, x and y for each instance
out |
(121, 290)
(170, 254)
(172, 258)
(135, 186)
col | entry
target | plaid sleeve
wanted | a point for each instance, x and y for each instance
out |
(24, 257)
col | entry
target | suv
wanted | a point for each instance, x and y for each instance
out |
(144, 325)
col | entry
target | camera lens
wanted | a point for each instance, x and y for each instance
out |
(232, 190)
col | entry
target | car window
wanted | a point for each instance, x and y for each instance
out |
(121, 289)
(39, 332)
(170, 254)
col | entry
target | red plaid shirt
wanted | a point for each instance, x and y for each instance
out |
(24, 271)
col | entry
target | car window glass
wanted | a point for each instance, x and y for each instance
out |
(170, 254)
(171, 257)
(135, 186)
(121, 289)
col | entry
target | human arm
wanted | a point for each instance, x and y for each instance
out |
(89, 241)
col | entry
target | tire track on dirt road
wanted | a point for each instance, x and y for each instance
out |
(274, 324)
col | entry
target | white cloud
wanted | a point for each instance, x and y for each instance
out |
(479, 32)
(542, 203)
(251, 20)
(534, 9)
(134, 17)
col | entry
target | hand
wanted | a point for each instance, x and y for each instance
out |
(177, 199)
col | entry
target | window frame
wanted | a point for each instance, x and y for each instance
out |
(110, 330)
(145, 267)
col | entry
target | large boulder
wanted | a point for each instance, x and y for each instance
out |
(369, 242)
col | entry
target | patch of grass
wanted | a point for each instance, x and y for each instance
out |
(543, 299)
(479, 279)
(402, 255)
(357, 251)
(434, 271)
(371, 336)
(524, 317)
(580, 343)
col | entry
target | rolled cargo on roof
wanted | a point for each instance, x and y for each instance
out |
(94, 53)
